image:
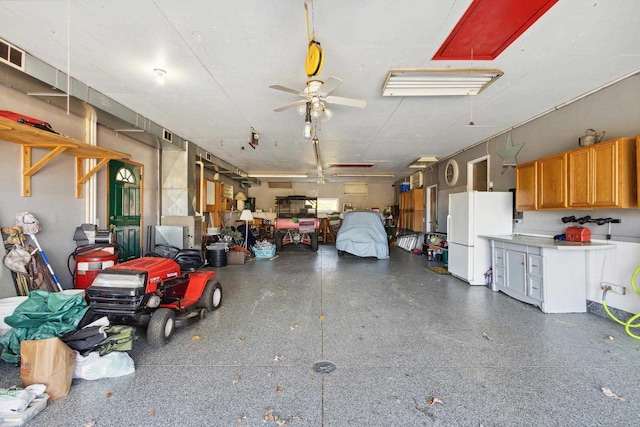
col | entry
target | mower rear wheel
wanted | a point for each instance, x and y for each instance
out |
(211, 297)
(279, 237)
(160, 327)
(314, 241)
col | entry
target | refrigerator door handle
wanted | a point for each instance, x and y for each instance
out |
(448, 226)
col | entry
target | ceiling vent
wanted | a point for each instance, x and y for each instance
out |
(416, 82)
(351, 165)
(280, 184)
(166, 135)
(11, 55)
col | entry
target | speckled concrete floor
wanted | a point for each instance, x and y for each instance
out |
(411, 348)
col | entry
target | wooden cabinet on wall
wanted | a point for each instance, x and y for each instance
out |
(527, 187)
(603, 175)
(220, 204)
(552, 182)
(600, 176)
(411, 210)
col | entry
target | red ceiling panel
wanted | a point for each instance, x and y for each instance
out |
(489, 26)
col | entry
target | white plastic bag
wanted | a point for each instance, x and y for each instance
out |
(113, 364)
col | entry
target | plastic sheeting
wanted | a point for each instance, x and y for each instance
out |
(43, 315)
(363, 234)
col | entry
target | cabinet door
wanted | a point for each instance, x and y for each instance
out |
(498, 267)
(516, 271)
(580, 178)
(526, 187)
(534, 276)
(418, 199)
(605, 175)
(552, 182)
(534, 288)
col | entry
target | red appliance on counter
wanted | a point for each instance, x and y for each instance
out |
(578, 234)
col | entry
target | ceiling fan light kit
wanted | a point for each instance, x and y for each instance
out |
(420, 82)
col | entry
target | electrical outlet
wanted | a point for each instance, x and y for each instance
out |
(616, 289)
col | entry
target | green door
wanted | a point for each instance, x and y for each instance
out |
(125, 206)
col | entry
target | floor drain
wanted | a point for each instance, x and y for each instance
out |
(324, 367)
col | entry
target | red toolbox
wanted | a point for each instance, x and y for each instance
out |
(578, 234)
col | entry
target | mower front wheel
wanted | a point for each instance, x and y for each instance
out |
(211, 297)
(160, 327)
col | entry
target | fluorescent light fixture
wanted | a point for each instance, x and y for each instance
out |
(423, 162)
(419, 82)
(365, 175)
(278, 175)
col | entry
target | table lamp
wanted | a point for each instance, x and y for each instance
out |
(246, 217)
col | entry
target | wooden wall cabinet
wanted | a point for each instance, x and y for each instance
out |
(603, 176)
(527, 186)
(552, 182)
(411, 210)
(600, 176)
(221, 205)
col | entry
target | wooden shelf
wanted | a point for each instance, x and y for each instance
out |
(30, 137)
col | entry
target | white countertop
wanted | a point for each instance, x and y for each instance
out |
(549, 243)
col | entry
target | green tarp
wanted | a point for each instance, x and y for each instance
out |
(43, 315)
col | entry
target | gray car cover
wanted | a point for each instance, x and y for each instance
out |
(362, 234)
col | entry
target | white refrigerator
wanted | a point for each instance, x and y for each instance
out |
(471, 214)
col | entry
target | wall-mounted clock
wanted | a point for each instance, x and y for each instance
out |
(451, 172)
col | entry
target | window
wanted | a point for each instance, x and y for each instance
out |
(326, 205)
(125, 175)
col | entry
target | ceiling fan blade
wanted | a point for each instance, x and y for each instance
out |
(346, 101)
(287, 89)
(329, 85)
(292, 105)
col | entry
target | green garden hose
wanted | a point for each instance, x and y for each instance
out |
(629, 323)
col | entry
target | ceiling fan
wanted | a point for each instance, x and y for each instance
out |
(315, 95)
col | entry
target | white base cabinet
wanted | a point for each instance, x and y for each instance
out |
(551, 279)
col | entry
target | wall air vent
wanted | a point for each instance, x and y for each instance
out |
(280, 184)
(166, 135)
(355, 188)
(416, 180)
(11, 55)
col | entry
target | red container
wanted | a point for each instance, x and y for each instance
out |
(578, 234)
(89, 262)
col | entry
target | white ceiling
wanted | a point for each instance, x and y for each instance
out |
(221, 56)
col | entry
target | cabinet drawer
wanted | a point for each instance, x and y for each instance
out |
(535, 288)
(534, 263)
(498, 253)
(498, 277)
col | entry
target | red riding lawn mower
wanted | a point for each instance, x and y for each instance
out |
(159, 293)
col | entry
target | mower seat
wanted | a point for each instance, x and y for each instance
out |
(189, 260)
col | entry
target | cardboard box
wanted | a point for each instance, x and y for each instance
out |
(235, 258)
(49, 362)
